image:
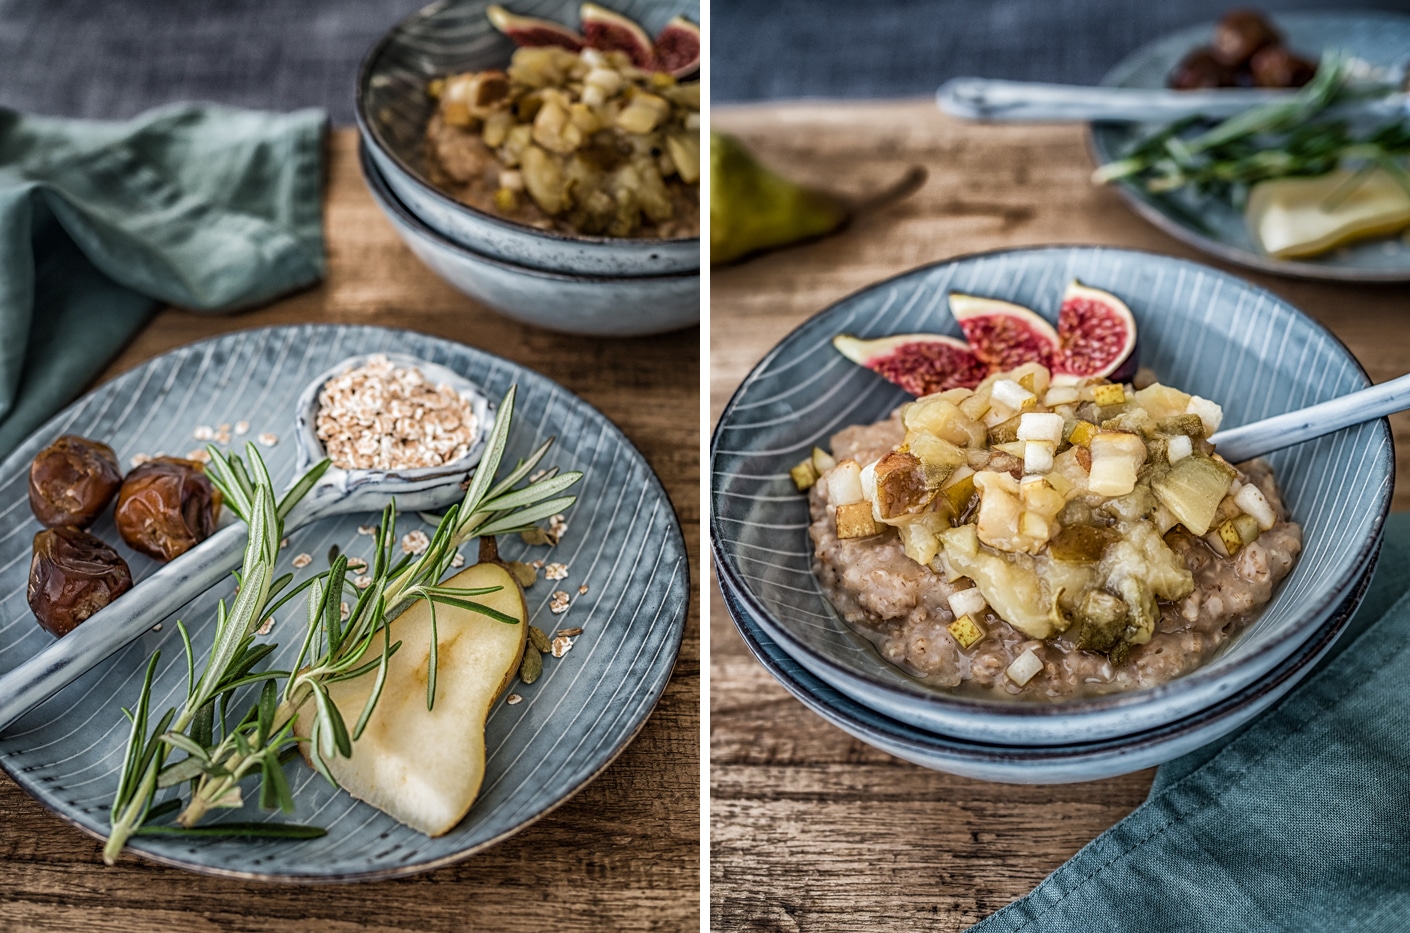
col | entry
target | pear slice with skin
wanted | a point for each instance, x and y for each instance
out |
(424, 767)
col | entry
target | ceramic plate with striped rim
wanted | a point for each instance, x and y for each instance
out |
(623, 542)
(1215, 226)
(1200, 329)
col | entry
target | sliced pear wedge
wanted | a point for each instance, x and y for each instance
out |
(425, 767)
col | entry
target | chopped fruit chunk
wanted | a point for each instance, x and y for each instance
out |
(1024, 668)
(1209, 413)
(844, 484)
(1111, 394)
(1116, 456)
(1193, 489)
(901, 488)
(854, 520)
(968, 602)
(1011, 394)
(1061, 395)
(1251, 500)
(1037, 456)
(822, 461)
(1178, 448)
(804, 475)
(1040, 426)
(965, 631)
(1082, 433)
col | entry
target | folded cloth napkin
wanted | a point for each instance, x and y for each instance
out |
(1300, 822)
(209, 208)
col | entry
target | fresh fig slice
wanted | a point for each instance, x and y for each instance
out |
(530, 31)
(613, 32)
(1002, 334)
(1096, 335)
(678, 47)
(922, 364)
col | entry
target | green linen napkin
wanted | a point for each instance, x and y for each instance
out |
(209, 208)
(1301, 822)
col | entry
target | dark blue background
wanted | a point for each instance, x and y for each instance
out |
(114, 58)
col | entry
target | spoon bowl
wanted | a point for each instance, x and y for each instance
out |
(338, 491)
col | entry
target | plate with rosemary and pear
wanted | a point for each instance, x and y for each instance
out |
(1313, 184)
(426, 595)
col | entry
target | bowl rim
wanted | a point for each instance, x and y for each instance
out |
(368, 131)
(386, 199)
(1102, 705)
(902, 734)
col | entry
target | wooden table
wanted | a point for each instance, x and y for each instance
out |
(813, 830)
(623, 854)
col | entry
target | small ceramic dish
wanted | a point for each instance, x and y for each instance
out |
(393, 107)
(1057, 764)
(1200, 329)
(1213, 225)
(575, 303)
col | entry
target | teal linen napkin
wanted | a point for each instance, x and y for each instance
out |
(209, 208)
(1301, 822)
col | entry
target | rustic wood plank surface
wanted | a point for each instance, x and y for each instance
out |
(810, 829)
(623, 854)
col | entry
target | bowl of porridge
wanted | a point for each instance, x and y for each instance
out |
(1038, 559)
(579, 161)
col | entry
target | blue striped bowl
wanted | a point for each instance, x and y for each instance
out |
(623, 541)
(392, 110)
(1201, 329)
(573, 303)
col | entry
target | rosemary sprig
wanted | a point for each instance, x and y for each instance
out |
(336, 649)
(1295, 137)
(229, 665)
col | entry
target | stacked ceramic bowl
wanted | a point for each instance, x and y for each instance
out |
(1201, 330)
(577, 284)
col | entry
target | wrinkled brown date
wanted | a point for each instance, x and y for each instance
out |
(71, 576)
(72, 480)
(166, 507)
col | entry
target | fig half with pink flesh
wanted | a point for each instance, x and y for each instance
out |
(1002, 334)
(529, 31)
(1096, 335)
(922, 364)
(613, 32)
(678, 47)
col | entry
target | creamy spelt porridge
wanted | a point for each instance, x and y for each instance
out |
(1046, 539)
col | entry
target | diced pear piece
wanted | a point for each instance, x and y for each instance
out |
(424, 767)
(844, 483)
(1251, 500)
(1116, 456)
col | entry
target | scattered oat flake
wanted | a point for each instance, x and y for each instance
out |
(203, 432)
(362, 581)
(513, 699)
(344, 611)
(582, 590)
(283, 543)
(537, 565)
(268, 439)
(558, 603)
(157, 627)
(557, 526)
(561, 644)
(555, 571)
(242, 427)
(301, 561)
(200, 455)
(538, 476)
(569, 632)
(223, 428)
(458, 560)
(367, 529)
(266, 627)
(415, 542)
(139, 459)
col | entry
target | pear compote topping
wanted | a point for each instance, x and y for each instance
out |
(1059, 500)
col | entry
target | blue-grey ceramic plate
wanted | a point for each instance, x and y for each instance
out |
(1200, 329)
(393, 108)
(623, 541)
(1046, 764)
(1214, 225)
(574, 303)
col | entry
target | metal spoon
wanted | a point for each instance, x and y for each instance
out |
(996, 101)
(1294, 427)
(337, 492)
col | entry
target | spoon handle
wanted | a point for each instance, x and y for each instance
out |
(991, 100)
(1294, 427)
